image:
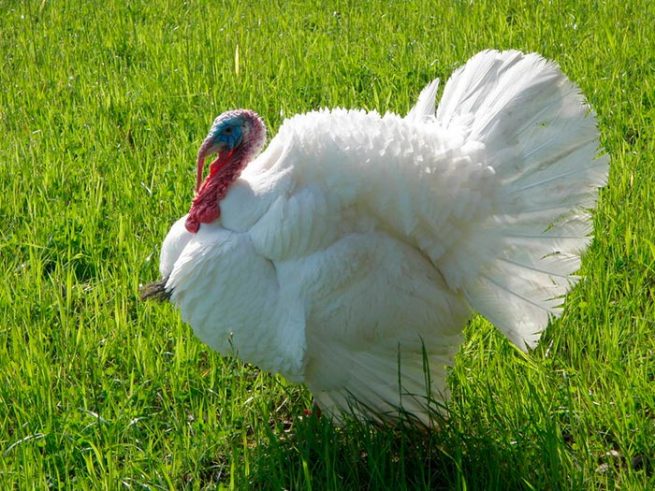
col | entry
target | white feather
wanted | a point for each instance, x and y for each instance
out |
(356, 246)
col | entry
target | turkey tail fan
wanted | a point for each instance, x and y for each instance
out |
(541, 140)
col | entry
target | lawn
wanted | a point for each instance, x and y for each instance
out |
(102, 108)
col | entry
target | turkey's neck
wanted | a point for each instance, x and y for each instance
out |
(205, 208)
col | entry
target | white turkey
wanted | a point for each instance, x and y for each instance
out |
(350, 254)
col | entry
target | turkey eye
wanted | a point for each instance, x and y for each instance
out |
(228, 130)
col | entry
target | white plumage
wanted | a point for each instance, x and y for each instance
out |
(355, 248)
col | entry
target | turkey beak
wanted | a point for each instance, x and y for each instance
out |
(207, 148)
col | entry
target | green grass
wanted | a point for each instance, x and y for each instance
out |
(102, 108)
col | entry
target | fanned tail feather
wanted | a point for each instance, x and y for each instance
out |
(541, 140)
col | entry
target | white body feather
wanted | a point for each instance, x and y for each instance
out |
(356, 244)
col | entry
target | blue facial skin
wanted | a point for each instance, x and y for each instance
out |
(228, 133)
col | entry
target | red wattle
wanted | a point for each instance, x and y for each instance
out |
(205, 209)
(191, 224)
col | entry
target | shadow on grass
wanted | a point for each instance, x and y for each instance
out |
(315, 453)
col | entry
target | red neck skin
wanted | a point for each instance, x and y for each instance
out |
(222, 173)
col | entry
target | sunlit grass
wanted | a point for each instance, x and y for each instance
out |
(102, 107)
